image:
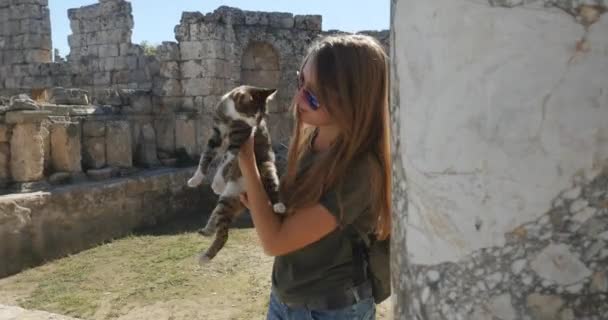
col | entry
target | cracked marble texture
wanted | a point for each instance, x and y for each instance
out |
(499, 110)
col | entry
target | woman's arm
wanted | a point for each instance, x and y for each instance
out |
(280, 236)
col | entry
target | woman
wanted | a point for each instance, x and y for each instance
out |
(337, 180)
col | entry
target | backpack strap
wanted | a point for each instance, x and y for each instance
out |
(359, 243)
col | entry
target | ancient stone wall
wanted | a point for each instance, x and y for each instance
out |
(25, 44)
(37, 227)
(110, 112)
(500, 159)
(101, 51)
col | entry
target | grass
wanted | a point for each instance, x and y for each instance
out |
(124, 277)
(144, 277)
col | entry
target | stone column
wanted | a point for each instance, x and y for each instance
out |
(500, 127)
(5, 155)
(26, 145)
(119, 152)
(94, 144)
(65, 147)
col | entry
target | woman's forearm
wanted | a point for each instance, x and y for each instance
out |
(267, 223)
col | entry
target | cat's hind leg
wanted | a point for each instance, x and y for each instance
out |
(228, 211)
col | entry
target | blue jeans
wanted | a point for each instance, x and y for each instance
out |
(363, 310)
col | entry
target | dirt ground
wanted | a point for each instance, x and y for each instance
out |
(152, 275)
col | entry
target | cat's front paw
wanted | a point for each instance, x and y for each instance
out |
(196, 180)
(279, 208)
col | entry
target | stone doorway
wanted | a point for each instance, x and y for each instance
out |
(260, 65)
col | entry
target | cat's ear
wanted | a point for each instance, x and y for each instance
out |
(261, 94)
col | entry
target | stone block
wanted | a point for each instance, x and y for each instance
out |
(281, 20)
(5, 133)
(203, 86)
(45, 133)
(168, 51)
(94, 152)
(170, 70)
(23, 102)
(109, 97)
(91, 128)
(140, 102)
(309, 22)
(168, 88)
(60, 178)
(146, 148)
(164, 105)
(100, 174)
(185, 136)
(102, 78)
(37, 55)
(36, 41)
(108, 50)
(61, 95)
(65, 146)
(256, 18)
(165, 135)
(194, 50)
(27, 153)
(118, 144)
(5, 157)
(205, 68)
(121, 77)
(26, 116)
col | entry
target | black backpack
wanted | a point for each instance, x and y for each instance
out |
(372, 261)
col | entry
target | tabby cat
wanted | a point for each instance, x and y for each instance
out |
(238, 113)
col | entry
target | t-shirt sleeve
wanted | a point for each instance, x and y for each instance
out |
(352, 195)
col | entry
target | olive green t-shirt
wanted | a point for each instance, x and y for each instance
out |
(326, 266)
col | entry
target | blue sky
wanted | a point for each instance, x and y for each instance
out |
(155, 19)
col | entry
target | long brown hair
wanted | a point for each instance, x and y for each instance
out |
(352, 84)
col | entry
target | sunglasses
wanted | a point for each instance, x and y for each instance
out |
(313, 102)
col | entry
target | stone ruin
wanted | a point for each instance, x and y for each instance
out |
(111, 111)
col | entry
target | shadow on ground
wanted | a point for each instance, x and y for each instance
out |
(187, 222)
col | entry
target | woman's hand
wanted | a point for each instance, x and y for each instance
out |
(247, 155)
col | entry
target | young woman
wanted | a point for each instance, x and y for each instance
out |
(337, 180)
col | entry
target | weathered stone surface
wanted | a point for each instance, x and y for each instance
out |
(5, 156)
(146, 149)
(500, 219)
(69, 96)
(185, 136)
(60, 178)
(97, 212)
(23, 102)
(5, 134)
(27, 153)
(65, 146)
(140, 102)
(544, 307)
(94, 152)
(501, 307)
(26, 116)
(557, 264)
(94, 128)
(165, 135)
(309, 22)
(118, 144)
(100, 174)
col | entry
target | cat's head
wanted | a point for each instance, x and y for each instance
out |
(245, 103)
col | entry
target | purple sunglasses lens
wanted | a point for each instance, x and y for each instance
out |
(312, 100)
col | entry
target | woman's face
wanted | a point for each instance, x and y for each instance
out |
(310, 109)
